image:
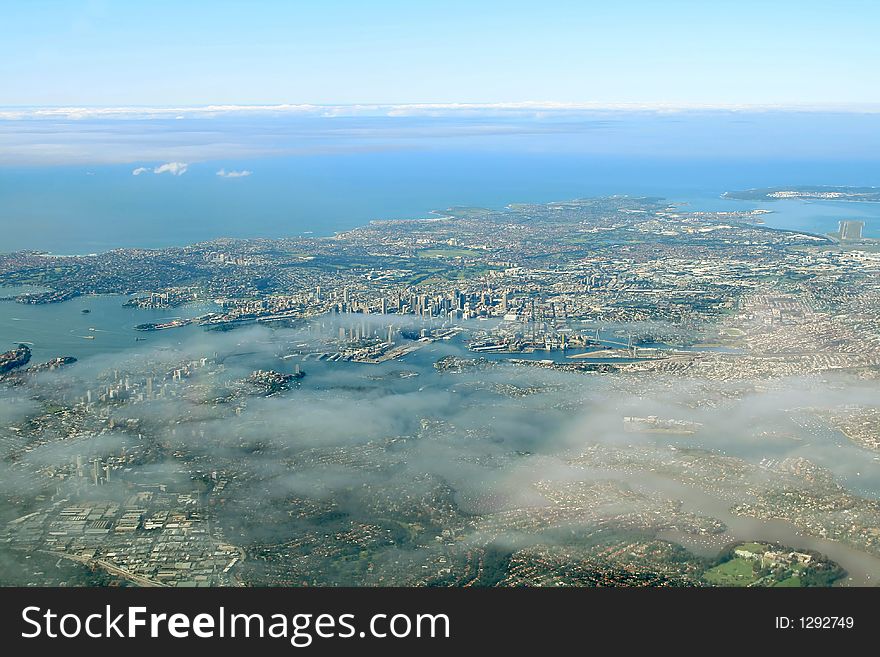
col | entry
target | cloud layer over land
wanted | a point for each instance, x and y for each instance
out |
(497, 451)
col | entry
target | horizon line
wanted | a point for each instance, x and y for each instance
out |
(182, 111)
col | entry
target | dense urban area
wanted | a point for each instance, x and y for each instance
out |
(612, 391)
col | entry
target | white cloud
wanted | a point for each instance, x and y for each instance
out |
(174, 168)
(223, 173)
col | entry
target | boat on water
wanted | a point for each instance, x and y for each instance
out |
(87, 337)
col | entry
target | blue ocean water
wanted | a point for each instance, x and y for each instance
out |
(86, 209)
(66, 185)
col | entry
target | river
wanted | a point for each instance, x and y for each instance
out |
(863, 569)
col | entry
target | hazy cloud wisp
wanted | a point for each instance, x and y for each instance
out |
(244, 173)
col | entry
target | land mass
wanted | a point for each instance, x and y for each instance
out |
(719, 362)
(806, 193)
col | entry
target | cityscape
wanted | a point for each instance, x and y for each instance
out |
(607, 391)
(334, 310)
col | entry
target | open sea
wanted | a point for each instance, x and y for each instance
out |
(75, 210)
(66, 185)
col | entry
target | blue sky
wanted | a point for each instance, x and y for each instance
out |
(340, 52)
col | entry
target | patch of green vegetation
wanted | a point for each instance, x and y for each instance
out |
(446, 253)
(823, 574)
(464, 274)
(422, 276)
(402, 531)
(736, 572)
(793, 581)
(496, 561)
